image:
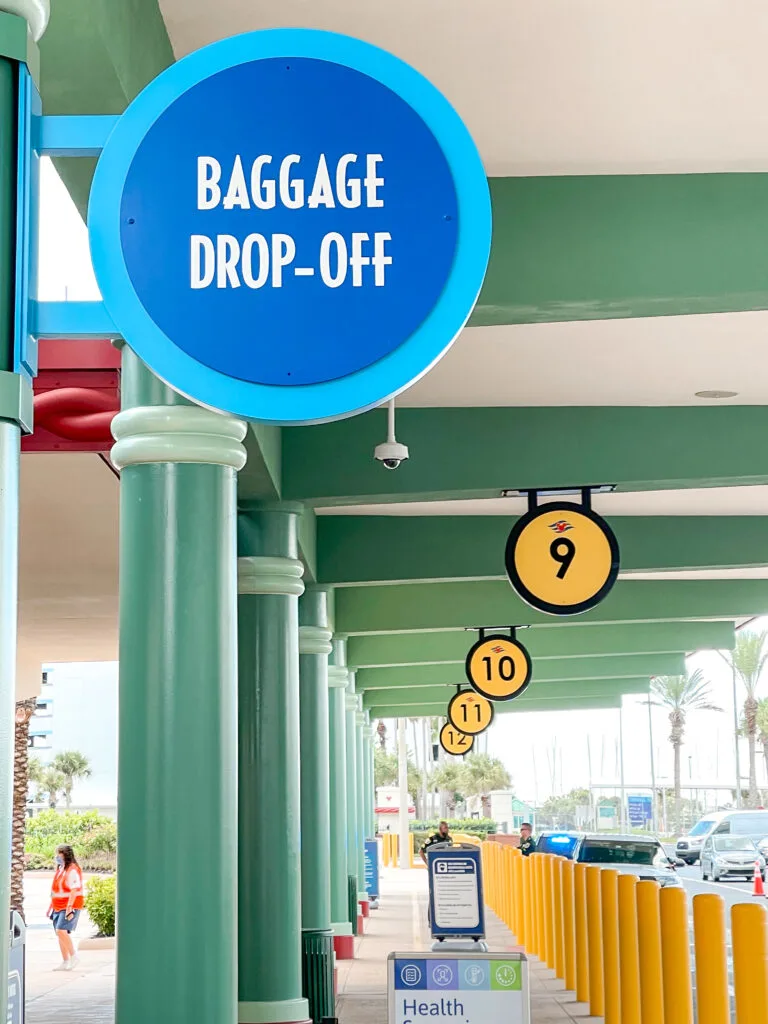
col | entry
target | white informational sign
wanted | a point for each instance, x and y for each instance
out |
(455, 893)
(463, 988)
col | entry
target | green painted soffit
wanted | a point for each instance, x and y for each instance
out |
(510, 707)
(439, 696)
(628, 666)
(359, 549)
(426, 606)
(445, 647)
(478, 452)
(94, 58)
(607, 246)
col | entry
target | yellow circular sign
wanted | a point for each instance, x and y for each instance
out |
(562, 558)
(498, 667)
(455, 742)
(470, 713)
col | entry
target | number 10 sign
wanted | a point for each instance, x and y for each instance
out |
(562, 558)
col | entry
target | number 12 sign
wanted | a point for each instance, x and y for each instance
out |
(562, 558)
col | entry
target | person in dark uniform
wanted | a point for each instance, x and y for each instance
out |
(441, 836)
(527, 842)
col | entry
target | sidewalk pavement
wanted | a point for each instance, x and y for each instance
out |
(86, 996)
(401, 925)
(82, 996)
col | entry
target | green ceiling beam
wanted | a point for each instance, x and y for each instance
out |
(608, 246)
(416, 606)
(478, 452)
(95, 56)
(361, 549)
(442, 647)
(519, 706)
(554, 670)
(536, 692)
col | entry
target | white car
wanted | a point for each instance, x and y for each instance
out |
(735, 856)
(643, 856)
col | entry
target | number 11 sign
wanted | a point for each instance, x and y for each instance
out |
(562, 558)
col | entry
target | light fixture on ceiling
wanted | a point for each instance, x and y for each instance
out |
(716, 394)
(558, 492)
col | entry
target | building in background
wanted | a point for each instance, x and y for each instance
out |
(77, 710)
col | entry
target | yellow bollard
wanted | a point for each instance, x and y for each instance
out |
(518, 908)
(411, 858)
(558, 918)
(511, 894)
(629, 956)
(709, 936)
(580, 932)
(385, 850)
(649, 944)
(676, 956)
(595, 943)
(609, 898)
(528, 914)
(569, 926)
(749, 933)
(549, 917)
(540, 940)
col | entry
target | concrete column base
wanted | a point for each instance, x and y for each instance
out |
(365, 908)
(344, 947)
(287, 1011)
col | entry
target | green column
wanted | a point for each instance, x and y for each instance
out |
(177, 860)
(353, 864)
(370, 807)
(15, 409)
(362, 788)
(314, 648)
(338, 677)
(269, 912)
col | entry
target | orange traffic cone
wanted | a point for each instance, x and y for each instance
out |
(758, 889)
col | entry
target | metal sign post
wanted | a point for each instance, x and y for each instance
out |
(474, 988)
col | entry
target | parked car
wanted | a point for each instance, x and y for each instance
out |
(561, 843)
(753, 824)
(733, 856)
(643, 856)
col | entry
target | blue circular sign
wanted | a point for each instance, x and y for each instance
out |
(290, 225)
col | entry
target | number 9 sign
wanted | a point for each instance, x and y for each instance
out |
(562, 558)
(470, 713)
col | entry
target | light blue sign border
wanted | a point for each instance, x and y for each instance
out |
(311, 403)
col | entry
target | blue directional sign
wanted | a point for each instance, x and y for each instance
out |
(372, 868)
(290, 225)
(456, 892)
(639, 808)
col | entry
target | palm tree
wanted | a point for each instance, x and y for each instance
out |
(482, 775)
(681, 695)
(761, 719)
(448, 778)
(24, 711)
(72, 765)
(748, 658)
(51, 784)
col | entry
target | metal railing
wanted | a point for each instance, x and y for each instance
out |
(624, 945)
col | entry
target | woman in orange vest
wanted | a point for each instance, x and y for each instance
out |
(66, 904)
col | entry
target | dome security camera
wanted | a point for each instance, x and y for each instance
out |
(391, 454)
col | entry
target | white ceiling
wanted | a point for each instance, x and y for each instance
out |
(700, 501)
(661, 360)
(68, 563)
(557, 86)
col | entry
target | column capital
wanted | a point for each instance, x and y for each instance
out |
(35, 12)
(314, 640)
(177, 433)
(360, 717)
(266, 574)
(352, 702)
(337, 677)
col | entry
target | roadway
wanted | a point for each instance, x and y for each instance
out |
(735, 891)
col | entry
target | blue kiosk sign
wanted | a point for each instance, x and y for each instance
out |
(289, 225)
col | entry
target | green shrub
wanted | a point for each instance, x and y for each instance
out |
(480, 827)
(92, 835)
(100, 895)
